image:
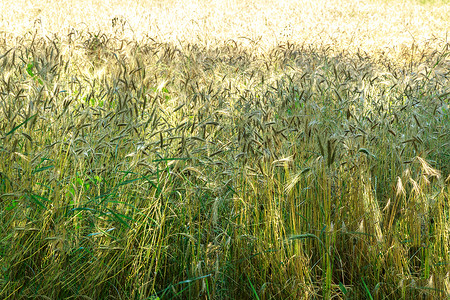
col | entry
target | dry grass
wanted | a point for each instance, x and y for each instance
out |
(221, 156)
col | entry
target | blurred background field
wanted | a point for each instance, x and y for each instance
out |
(224, 149)
(368, 25)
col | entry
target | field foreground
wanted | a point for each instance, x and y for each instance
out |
(226, 160)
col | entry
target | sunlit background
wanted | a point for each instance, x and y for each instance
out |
(369, 25)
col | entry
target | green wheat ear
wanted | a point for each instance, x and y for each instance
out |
(200, 151)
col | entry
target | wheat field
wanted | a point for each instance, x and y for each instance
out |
(224, 149)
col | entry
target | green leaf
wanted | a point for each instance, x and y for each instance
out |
(129, 181)
(12, 205)
(366, 152)
(343, 289)
(84, 208)
(120, 218)
(367, 289)
(170, 159)
(306, 236)
(253, 289)
(20, 125)
(42, 169)
(36, 198)
(30, 69)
